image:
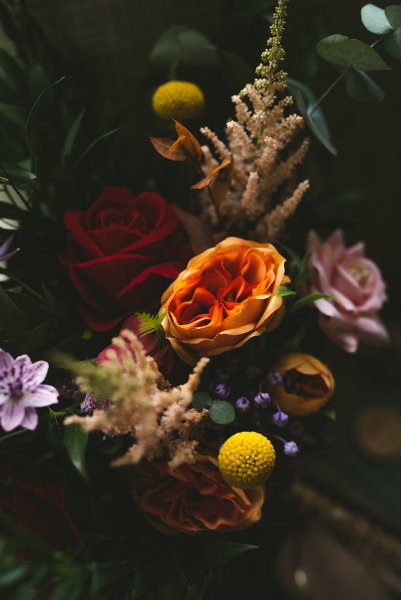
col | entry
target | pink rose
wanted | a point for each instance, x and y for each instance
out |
(356, 283)
(162, 355)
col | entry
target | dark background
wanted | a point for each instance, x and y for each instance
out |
(103, 47)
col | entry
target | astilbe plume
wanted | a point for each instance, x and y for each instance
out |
(141, 403)
(262, 194)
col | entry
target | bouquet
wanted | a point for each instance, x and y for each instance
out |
(164, 364)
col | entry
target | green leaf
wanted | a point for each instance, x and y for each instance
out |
(12, 319)
(392, 44)
(12, 69)
(313, 117)
(346, 52)
(72, 136)
(393, 15)
(374, 19)
(95, 142)
(29, 121)
(75, 442)
(201, 400)
(308, 299)
(12, 113)
(17, 174)
(361, 87)
(216, 554)
(222, 412)
(282, 290)
(151, 324)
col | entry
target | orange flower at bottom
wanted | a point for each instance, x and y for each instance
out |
(194, 498)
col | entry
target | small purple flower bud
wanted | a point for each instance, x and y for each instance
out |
(88, 404)
(242, 405)
(222, 390)
(280, 418)
(252, 372)
(274, 378)
(262, 400)
(291, 449)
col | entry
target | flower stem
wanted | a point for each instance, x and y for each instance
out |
(12, 434)
(212, 198)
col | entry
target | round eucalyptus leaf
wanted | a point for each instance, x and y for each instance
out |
(181, 46)
(393, 15)
(315, 120)
(392, 44)
(222, 412)
(375, 19)
(201, 400)
(361, 87)
(346, 52)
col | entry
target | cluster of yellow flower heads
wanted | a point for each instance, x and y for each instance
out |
(246, 459)
(178, 100)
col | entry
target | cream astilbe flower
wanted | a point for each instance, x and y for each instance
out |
(142, 404)
(261, 144)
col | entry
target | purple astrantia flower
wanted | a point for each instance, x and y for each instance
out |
(22, 391)
(4, 249)
(242, 405)
(222, 390)
(280, 418)
(262, 400)
(291, 449)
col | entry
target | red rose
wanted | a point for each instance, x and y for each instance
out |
(122, 253)
(45, 508)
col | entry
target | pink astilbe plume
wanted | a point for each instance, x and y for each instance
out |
(261, 143)
(142, 404)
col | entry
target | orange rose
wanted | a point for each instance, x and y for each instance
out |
(225, 296)
(194, 498)
(307, 384)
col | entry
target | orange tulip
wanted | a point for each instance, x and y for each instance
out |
(225, 296)
(306, 386)
(194, 498)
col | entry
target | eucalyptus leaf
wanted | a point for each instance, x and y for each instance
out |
(346, 52)
(75, 442)
(201, 400)
(375, 19)
(361, 87)
(313, 116)
(181, 46)
(393, 15)
(222, 412)
(392, 44)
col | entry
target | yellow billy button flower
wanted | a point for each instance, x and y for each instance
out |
(178, 100)
(246, 459)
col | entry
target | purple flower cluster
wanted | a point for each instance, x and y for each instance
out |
(22, 391)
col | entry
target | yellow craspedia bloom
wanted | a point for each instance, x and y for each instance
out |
(178, 100)
(246, 459)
